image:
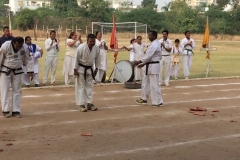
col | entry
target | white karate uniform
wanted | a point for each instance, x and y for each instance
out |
(69, 61)
(84, 88)
(187, 55)
(103, 58)
(165, 61)
(11, 70)
(150, 83)
(36, 68)
(175, 60)
(51, 59)
(131, 58)
(138, 50)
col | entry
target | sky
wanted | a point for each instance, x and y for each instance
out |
(159, 2)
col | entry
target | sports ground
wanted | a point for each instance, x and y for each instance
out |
(52, 125)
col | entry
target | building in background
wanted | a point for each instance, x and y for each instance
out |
(195, 3)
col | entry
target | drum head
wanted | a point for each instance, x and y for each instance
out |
(124, 71)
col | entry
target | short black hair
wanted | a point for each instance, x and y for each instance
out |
(92, 36)
(187, 32)
(97, 33)
(18, 39)
(5, 27)
(27, 38)
(132, 40)
(52, 32)
(139, 37)
(154, 33)
(165, 31)
(177, 40)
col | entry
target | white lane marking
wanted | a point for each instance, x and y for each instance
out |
(31, 96)
(142, 149)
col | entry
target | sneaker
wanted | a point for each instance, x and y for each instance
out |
(91, 107)
(158, 105)
(7, 114)
(167, 84)
(36, 85)
(54, 84)
(176, 78)
(141, 101)
(82, 108)
(16, 114)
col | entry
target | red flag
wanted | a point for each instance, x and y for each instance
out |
(113, 40)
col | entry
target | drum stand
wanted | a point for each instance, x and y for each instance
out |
(112, 75)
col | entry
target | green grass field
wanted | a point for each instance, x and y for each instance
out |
(224, 62)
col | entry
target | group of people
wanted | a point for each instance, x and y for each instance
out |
(170, 60)
(86, 62)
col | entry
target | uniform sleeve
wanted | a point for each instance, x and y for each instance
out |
(97, 58)
(149, 54)
(193, 44)
(38, 48)
(28, 61)
(2, 52)
(172, 50)
(47, 45)
(77, 57)
(182, 44)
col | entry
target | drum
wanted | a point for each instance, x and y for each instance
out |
(124, 71)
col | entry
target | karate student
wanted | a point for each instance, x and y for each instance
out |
(68, 65)
(35, 52)
(6, 35)
(100, 42)
(131, 58)
(52, 48)
(166, 46)
(175, 61)
(188, 45)
(13, 55)
(86, 56)
(150, 83)
(138, 49)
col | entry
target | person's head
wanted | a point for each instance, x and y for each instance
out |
(132, 41)
(165, 34)
(72, 35)
(91, 38)
(28, 40)
(139, 39)
(53, 35)
(17, 43)
(98, 35)
(152, 35)
(187, 34)
(177, 41)
(6, 31)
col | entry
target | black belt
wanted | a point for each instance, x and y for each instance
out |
(9, 70)
(166, 55)
(85, 70)
(189, 50)
(147, 64)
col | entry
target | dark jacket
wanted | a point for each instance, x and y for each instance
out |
(4, 39)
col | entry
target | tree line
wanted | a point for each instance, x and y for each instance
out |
(177, 16)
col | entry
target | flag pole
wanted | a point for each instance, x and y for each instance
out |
(208, 52)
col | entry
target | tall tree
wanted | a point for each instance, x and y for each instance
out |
(65, 7)
(222, 3)
(149, 4)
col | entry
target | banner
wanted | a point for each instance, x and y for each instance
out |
(113, 40)
(206, 39)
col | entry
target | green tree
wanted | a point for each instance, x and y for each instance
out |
(149, 4)
(2, 2)
(178, 6)
(222, 3)
(26, 19)
(65, 7)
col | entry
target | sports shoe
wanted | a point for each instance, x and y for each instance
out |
(141, 101)
(54, 84)
(82, 108)
(167, 84)
(28, 86)
(158, 105)
(91, 107)
(6, 114)
(16, 114)
(36, 85)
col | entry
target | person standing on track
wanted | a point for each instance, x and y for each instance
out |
(176, 51)
(150, 83)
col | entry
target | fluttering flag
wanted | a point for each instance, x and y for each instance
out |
(206, 39)
(113, 40)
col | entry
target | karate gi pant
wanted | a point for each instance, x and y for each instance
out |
(68, 69)
(175, 70)
(16, 83)
(166, 63)
(26, 79)
(138, 74)
(50, 63)
(83, 89)
(187, 63)
(150, 86)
